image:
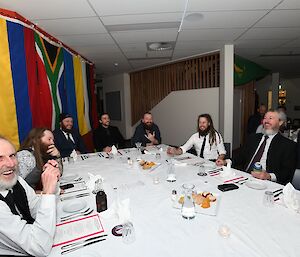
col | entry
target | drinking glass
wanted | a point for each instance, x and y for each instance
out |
(268, 199)
(139, 147)
(70, 160)
(188, 205)
(128, 233)
(201, 171)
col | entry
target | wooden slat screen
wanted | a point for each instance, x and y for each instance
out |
(148, 87)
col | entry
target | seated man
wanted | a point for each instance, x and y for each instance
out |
(276, 153)
(27, 221)
(147, 132)
(207, 142)
(67, 138)
(105, 136)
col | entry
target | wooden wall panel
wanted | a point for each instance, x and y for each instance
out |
(148, 87)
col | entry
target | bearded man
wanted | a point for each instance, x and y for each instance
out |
(27, 220)
(275, 153)
(67, 139)
(207, 142)
(147, 132)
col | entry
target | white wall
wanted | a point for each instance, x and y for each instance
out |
(176, 115)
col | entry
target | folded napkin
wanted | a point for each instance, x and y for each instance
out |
(290, 197)
(74, 155)
(226, 170)
(120, 209)
(114, 150)
(92, 179)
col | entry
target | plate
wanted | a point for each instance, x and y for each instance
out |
(212, 210)
(74, 206)
(256, 184)
(69, 177)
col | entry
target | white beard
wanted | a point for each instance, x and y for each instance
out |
(269, 132)
(5, 185)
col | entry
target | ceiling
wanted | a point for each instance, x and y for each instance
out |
(114, 33)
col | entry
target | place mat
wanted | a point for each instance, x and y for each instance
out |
(77, 229)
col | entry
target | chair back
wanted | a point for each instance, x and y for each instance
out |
(228, 150)
(296, 179)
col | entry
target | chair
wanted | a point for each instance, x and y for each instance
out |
(228, 150)
(296, 123)
(296, 179)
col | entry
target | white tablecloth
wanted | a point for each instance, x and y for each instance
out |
(160, 230)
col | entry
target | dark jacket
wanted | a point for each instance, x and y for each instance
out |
(140, 132)
(281, 157)
(110, 136)
(64, 146)
(298, 151)
(253, 122)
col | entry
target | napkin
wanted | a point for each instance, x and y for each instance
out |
(114, 150)
(290, 197)
(226, 170)
(121, 209)
(74, 155)
(92, 179)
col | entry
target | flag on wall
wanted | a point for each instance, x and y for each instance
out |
(39, 80)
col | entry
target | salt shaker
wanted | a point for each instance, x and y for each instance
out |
(174, 195)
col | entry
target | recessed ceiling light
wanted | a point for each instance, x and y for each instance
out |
(160, 46)
(193, 17)
(116, 64)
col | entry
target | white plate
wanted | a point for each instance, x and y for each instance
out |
(212, 210)
(255, 184)
(74, 206)
(69, 177)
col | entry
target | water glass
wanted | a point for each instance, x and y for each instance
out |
(201, 171)
(268, 200)
(128, 233)
(70, 160)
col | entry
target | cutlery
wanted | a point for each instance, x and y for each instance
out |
(70, 215)
(74, 196)
(81, 242)
(278, 190)
(77, 182)
(120, 153)
(77, 190)
(233, 179)
(76, 215)
(242, 181)
(81, 246)
(277, 194)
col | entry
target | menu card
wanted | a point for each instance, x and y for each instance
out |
(77, 229)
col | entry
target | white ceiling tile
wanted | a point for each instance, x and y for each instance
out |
(200, 44)
(149, 54)
(86, 40)
(141, 47)
(141, 18)
(289, 4)
(74, 26)
(271, 33)
(145, 35)
(216, 5)
(146, 63)
(234, 19)
(37, 9)
(281, 19)
(259, 43)
(120, 7)
(210, 34)
(292, 43)
(179, 54)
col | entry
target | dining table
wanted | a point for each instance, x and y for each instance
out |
(237, 224)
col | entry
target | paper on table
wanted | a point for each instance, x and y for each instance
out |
(290, 198)
(74, 230)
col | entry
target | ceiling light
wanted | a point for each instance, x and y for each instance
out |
(160, 46)
(116, 64)
(193, 17)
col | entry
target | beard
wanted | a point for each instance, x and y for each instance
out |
(63, 127)
(6, 185)
(148, 126)
(269, 132)
(203, 132)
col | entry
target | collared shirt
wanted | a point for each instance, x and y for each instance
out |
(37, 238)
(263, 160)
(66, 135)
(211, 152)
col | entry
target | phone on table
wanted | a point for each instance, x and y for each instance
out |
(66, 186)
(227, 187)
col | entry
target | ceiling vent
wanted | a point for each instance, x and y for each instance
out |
(160, 46)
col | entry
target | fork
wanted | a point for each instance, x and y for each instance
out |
(76, 215)
(70, 215)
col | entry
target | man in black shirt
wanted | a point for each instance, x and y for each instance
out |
(105, 136)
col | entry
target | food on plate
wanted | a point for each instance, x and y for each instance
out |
(198, 198)
(205, 203)
(147, 165)
(181, 199)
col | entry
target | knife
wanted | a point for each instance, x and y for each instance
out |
(74, 196)
(63, 248)
(81, 246)
(77, 190)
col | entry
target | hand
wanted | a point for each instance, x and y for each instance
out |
(220, 162)
(261, 175)
(171, 150)
(107, 149)
(50, 176)
(52, 150)
(151, 137)
(78, 152)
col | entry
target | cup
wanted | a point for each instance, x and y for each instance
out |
(157, 156)
(70, 160)
(156, 180)
(128, 233)
(268, 200)
(201, 171)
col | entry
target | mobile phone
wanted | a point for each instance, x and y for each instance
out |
(227, 187)
(66, 186)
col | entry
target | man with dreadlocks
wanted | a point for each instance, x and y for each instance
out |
(207, 142)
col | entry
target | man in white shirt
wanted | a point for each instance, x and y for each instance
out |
(27, 221)
(207, 142)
